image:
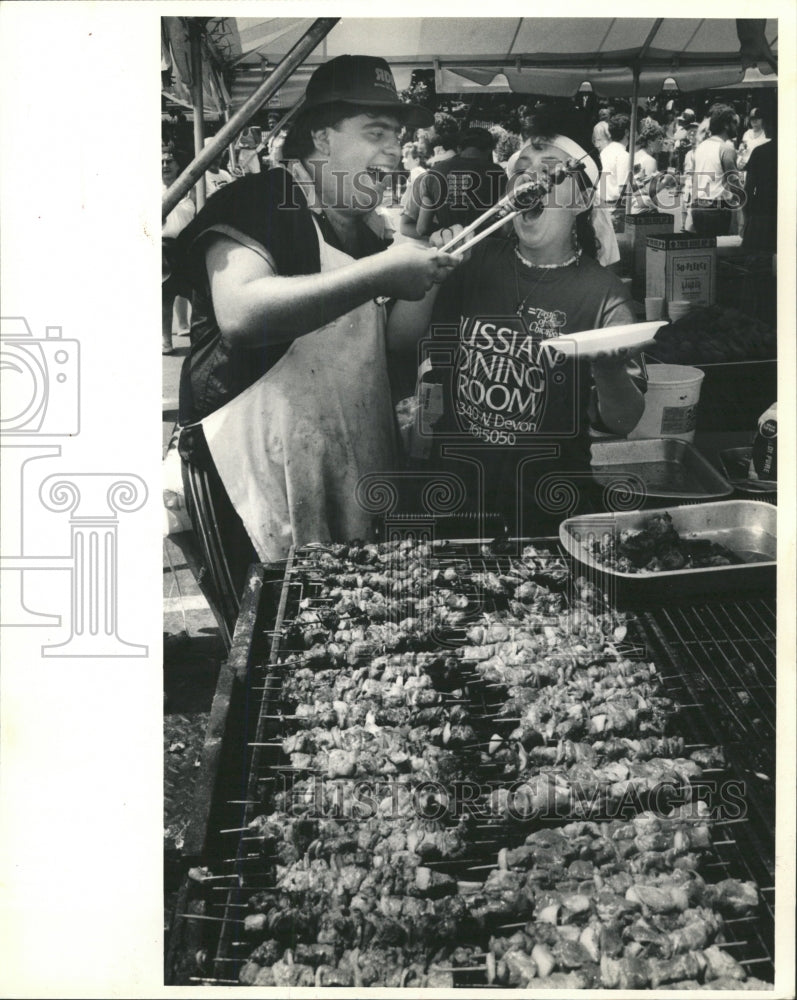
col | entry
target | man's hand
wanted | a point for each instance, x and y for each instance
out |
(445, 235)
(408, 271)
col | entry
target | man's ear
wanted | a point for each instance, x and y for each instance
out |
(320, 137)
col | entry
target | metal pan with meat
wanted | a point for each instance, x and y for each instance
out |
(679, 552)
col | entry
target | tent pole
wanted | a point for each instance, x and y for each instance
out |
(231, 148)
(629, 181)
(197, 97)
(315, 33)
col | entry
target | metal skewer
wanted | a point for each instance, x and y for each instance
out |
(500, 206)
(480, 236)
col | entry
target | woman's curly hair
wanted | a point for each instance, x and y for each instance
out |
(649, 131)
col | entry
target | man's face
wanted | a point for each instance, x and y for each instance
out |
(356, 155)
(169, 169)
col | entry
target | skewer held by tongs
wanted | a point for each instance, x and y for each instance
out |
(523, 197)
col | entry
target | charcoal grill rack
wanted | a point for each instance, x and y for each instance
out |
(716, 661)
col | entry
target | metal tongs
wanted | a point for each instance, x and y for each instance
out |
(522, 198)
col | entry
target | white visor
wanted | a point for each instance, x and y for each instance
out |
(573, 150)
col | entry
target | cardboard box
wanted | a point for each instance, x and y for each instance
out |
(638, 228)
(682, 266)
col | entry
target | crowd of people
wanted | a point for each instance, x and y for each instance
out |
(307, 296)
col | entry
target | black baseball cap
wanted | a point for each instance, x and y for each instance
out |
(362, 81)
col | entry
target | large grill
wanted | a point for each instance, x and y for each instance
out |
(716, 660)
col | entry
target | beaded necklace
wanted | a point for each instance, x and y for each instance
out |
(547, 267)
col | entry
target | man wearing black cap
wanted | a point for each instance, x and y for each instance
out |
(284, 398)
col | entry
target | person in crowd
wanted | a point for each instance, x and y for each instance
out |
(506, 145)
(717, 189)
(413, 159)
(600, 136)
(683, 123)
(527, 130)
(215, 176)
(516, 413)
(648, 180)
(463, 187)
(247, 148)
(284, 397)
(756, 135)
(679, 142)
(615, 160)
(704, 125)
(689, 176)
(173, 305)
(649, 137)
(442, 140)
(761, 198)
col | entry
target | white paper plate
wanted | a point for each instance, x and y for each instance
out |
(609, 340)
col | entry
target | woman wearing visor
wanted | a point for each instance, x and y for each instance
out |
(517, 417)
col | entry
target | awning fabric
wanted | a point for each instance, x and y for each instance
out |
(524, 55)
(563, 81)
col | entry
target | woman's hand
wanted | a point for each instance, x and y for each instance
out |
(620, 403)
(611, 362)
(408, 271)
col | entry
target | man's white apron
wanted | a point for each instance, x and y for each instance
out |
(291, 448)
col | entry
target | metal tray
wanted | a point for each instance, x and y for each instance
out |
(735, 462)
(667, 468)
(746, 527)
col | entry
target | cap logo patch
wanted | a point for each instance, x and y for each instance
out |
(384, 78)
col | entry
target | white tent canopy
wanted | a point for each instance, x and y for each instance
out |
(553, 56)
(523, 55)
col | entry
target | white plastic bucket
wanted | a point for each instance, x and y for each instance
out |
(670, 403)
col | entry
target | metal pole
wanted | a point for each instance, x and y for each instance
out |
(317, 31)
(231, 147)
(629, 181)
(198, 100)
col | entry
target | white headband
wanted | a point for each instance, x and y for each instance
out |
(573, 150)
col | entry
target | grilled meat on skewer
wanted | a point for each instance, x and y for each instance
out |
(585, 789)
(515, 759)
(371, 750)
(587, 844)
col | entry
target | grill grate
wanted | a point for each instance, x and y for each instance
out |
(722, 656)
(708, 655)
